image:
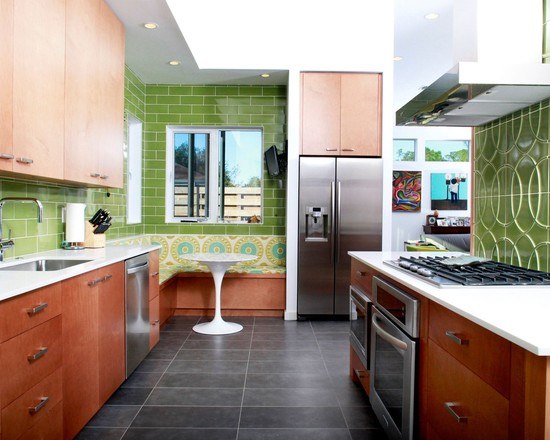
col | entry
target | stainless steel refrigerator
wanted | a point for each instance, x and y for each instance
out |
(340, 209)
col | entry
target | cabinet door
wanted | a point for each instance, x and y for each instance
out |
(80, 354)
(111, 98)
(112, 355)
(360, 114)
(38, 87)
(320, 114)
(6, 90)
(153, 275)
(154, 335)
(81, 102)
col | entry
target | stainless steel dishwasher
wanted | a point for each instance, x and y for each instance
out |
(137, 311)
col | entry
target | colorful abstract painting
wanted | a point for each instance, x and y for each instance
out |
(407, 190)
(449, 191)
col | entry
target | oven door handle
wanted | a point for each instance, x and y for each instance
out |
(398, 343)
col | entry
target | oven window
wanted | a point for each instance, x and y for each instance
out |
(391, 304)
(388, 378)
(357, 320)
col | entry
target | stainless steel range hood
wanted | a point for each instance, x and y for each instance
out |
(474, 93)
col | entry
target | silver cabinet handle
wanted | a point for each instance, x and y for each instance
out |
(348, 149)
(450, 407)
(42, 404)
(331, 149)
(154, 274)
(155, 322)
(34, 357)
(107, 277)
(453, 337)
(361, 274)
(386, 336)
(37, 309)
(94, 174)
(24, 160)
(338, 218)
(94, 282)
(332, 219)
(6, 156)
(103, 176)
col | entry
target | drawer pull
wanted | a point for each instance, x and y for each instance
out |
(361, 274)
(42, 404)
(450, 408)
(103, 176)
(94, 174)
(155, 322)
(94, 282)
(331, 149)
(37, 309)
(34, 357)
(155, 274)
(6, 156)
(107, 277)
(24, 160)
(348, 149)
(453, 337)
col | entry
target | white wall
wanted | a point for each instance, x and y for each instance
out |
(408, 225)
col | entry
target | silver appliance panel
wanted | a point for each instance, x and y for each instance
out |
(435, 280)
(392, 368)
(360, 319)
(137, 311)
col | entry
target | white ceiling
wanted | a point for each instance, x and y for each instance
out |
(426, 46)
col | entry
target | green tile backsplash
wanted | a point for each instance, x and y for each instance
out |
(28, 235)
(512, 188)
(263, 106)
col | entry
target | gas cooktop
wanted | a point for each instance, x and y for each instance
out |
(438, 271)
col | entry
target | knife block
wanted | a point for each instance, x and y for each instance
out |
(93, 240)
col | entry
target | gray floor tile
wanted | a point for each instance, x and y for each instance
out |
(142, 380)
(210, 366)
(89, 433)
(294, 344)
(351, 396)
(219, 355)
(274, 355)
(217, 344)
(129, 396)
(282, 328)
(177, 328)
(196, 396)
(271, 321)
(184, 319)
(342, 336)
(342, 345)
(367, 434)
(294, 434)
(180, 434)
(201, 380)
(114, 416)
(290, 335)
(153, 366)
(241, 336)
(180, 336)
(163, 353)
(361, 418)
(289, 397)
(187, 417)
(286, 366)
(243, 320)
(330, 326)
(277, 417)
(287, 380)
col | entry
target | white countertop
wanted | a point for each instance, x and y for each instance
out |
(520, 314)
(13, 283)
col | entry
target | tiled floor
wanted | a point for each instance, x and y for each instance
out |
(275, 380)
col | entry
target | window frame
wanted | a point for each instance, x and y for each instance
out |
(415, 149)
(213, 172)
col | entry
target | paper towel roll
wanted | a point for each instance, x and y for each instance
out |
(74, 222)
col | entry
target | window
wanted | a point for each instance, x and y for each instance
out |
(213, 174)
(133, 198)
(447, 151)
(404, 150)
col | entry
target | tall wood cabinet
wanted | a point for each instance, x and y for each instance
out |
(341, 114)
(6, 90)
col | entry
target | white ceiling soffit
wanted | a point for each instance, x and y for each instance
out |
(425, 45)
(149, 51)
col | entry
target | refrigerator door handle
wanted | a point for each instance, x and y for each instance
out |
(338, 214)
(332, 222)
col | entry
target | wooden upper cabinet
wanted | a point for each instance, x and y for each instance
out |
(341, 114)
(111, 98)
(6, 89)
(38, 87)
(320, 114)
(360, 114)
(81, 88)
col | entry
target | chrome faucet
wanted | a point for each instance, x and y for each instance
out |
(9, 243)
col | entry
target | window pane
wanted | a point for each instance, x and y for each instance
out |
(240, 175)
(404, 149)
(447, 151)
(191, 174)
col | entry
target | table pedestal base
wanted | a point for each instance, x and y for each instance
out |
(217, 327)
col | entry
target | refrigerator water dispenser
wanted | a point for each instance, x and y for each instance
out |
(317, 228)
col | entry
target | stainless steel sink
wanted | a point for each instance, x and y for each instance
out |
(44, 265)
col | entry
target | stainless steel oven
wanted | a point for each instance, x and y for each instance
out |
(360, 318)
(393, 358)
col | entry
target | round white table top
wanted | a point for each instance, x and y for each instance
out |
(223, 257)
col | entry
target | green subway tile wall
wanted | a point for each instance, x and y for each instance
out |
(512, 188)
(29, 236)
(263, 106)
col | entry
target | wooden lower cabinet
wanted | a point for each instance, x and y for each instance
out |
(154, 320)
(48, 428)
(460, 404)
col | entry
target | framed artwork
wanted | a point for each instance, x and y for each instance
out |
(449, 191)
(407, 189)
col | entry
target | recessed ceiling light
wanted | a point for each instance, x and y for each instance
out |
(397, 58)
(431, 16)
(174, 63)
(265, 75)
(151, 25)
